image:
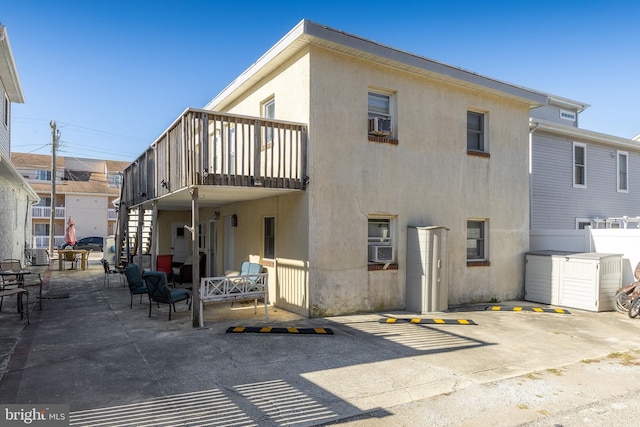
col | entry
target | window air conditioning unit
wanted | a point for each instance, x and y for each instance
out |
(381, 253)
(380, 126)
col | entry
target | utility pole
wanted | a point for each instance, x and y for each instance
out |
(55, 137)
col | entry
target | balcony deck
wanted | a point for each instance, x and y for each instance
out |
(228, 157)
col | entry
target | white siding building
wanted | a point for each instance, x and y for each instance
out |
(580, 177)
(16, 195)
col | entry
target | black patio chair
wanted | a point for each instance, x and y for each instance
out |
(160, 292)
(108, 270)
(135, 282)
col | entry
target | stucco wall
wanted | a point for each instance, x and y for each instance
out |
(427, 179)
(15, 220)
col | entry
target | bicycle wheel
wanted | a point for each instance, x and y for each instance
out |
(622, 302)
(634, 308)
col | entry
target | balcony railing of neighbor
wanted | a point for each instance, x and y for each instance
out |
(45, 212)
(42, 242)
(208, 148)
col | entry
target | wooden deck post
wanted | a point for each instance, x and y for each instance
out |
(195, 265)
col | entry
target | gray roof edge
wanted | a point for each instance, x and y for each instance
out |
(313, 30)
(9, 75)
(540, 125)
(408, 58)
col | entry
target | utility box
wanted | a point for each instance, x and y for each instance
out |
(427, 269)
(586, 281)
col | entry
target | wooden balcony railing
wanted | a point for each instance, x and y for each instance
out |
(208, 148)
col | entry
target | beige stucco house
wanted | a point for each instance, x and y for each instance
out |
(319, 157)
(16, 195)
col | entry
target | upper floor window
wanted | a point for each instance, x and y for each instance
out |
(568, 115)
(269, 112)
(44, 201)
(476, 135)
(380, 240)
(579, 164)
(43, 175)
(380, 114)
(114, 179)
(477, 240)
(623, 175)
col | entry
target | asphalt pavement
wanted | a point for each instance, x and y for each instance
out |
(472, 365)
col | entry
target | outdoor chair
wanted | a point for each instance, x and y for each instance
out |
(135, 282)
(70, 257)
(19, 281)
(108, 271)
(160, 292)
(51, 258)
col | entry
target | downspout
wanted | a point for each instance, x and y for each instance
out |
(532, 128)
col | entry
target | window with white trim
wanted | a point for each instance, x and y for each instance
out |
(380, 113)
(269, 112)
(477, 240)
(582, 223)
(41, 229)
(44, 201)
(381, 240)
(269, 245)
(623, 171)
(476, 132)
(579, 164)
(43, 175)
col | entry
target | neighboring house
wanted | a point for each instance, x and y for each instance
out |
(579, 177)
(16, 195)
(317, 159)
(85, 190)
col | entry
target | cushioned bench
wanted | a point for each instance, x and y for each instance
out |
(250, 284)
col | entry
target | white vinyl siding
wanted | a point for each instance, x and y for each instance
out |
(556, 203)
(554, 114)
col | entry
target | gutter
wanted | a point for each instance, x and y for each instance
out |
(16, 177)
(9, 73)
(582, 135)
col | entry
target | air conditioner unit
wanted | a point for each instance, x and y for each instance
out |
(381, 253)
(380, 126)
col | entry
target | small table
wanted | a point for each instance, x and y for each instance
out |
(62, 252)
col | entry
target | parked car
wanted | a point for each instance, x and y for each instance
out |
(93, 243)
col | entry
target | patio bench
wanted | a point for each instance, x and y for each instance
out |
(250, 284)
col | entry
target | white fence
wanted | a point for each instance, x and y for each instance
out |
(612, 241)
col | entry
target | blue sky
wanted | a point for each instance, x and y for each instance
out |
(115, 74)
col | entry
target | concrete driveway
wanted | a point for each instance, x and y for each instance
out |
(114, 365)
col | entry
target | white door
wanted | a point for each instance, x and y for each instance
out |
(229, 263)
(211, 250)
(180, 242)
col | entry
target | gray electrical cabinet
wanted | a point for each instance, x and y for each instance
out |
(427, 269)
